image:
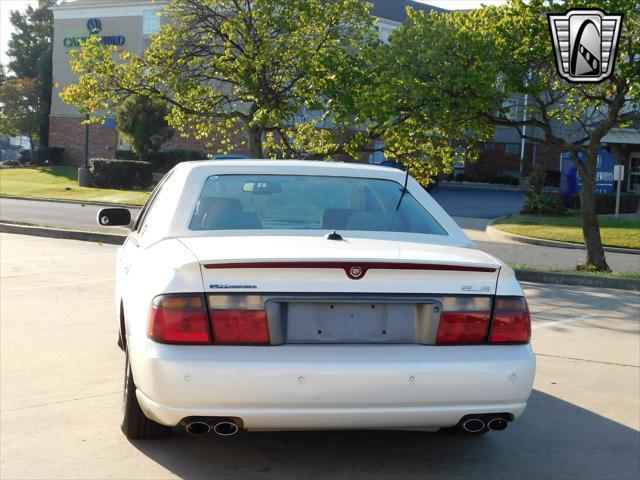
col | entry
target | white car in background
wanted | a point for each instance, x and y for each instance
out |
(284, 295)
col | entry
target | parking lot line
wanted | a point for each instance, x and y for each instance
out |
(560, 322)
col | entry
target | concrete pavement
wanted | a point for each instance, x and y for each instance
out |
(61, 382)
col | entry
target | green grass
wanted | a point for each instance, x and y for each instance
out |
(622, 232)
(61, 183)
(521, 266)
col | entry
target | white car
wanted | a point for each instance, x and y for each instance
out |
(284, 295)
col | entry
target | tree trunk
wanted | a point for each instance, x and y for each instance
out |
(255, 141)
(590, 225)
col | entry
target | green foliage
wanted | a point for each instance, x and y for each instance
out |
(543, 204)
(20, 107)
(537, 180)
(606, 204)
(141, 121)
(53, 155)
(30, 50)
(234, 69)
(120, 174)
(126, 155)
(165, 160)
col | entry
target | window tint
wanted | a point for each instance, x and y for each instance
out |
(229, 202)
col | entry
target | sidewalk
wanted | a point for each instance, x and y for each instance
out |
(560, 258)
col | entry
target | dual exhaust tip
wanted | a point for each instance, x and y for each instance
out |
(224, 428)
(478, 424)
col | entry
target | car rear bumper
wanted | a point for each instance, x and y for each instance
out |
(332, 387)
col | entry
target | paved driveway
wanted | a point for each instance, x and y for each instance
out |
(61, 382)
(476, 203)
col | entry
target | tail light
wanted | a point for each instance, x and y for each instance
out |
(468, 321)
(511, 321)
(179, 319)
(228, 320)
(464, 320)
(238, 320)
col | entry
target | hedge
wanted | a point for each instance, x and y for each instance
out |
(607, 203)
(115, 173)
(54, 155)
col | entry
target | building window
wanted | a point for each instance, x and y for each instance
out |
(150, 22)
(489, 147)
(512, 149)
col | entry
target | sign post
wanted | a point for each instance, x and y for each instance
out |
(618, 175)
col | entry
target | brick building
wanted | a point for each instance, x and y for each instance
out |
(128, 24)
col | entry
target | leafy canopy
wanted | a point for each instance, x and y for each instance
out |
(234, 67)
(141, 120)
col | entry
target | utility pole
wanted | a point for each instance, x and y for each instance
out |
(83, 172)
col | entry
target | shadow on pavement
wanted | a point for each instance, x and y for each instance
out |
(554, 439)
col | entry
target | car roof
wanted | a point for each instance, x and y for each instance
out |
(299, 166)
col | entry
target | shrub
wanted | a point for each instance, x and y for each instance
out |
(460, 177)
(543, 204)
(537, 179)
(126, 155)
(54, 155)
(114, 173)
(606, 204)
(165, 160)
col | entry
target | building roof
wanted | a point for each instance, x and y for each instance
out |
(396, 10)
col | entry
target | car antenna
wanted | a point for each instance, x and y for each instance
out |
(333, 236)
(404, 188)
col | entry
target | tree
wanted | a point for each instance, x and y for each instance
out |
(3, 75)
(249, 68)
(30, 50)
(141, 120)
(468, 70)
(20, 107)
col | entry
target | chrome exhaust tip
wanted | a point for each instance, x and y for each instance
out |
(225, 429)
(473, 425)
(497, 424)
(198, 429)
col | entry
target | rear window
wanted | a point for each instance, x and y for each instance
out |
(251, 202)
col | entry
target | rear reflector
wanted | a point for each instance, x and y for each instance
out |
(179, 319)
(511, 321)
(240, 327)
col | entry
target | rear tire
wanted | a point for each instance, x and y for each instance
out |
(135, 425)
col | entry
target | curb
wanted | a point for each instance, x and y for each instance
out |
(77, 202)
(110, 238)
(495, 232)
(558, 278)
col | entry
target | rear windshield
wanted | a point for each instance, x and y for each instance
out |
(250, 202)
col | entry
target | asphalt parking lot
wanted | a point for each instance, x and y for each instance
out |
(61, 381)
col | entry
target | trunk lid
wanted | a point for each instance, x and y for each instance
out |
(313, 264)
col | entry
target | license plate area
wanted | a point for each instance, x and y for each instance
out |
(354, 321)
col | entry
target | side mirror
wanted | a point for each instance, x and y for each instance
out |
(114, 217)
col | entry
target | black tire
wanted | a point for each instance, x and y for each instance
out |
(134, 422)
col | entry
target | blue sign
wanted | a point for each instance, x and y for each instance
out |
(570, 181)
(94, 25)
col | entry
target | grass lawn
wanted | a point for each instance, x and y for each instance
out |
(61, 183)
(621, 232)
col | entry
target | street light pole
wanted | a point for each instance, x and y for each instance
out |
(83, 172)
